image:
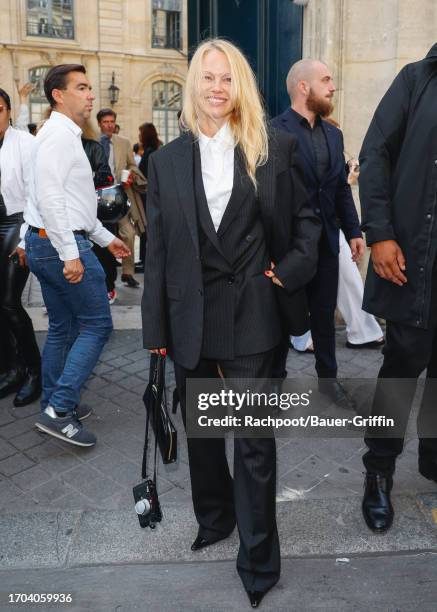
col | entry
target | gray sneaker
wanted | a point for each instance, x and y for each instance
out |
(67, 428)
(82, 412)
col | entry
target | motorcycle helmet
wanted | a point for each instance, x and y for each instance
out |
(112, 203)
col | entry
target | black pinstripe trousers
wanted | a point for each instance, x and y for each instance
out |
(248, 499)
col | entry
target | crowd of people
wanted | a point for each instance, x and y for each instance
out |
(253, 239)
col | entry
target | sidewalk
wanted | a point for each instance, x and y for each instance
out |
(62, 506)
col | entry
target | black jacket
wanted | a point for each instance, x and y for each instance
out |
(173, 301)
(99, 164)
(331, 198)
(398, 181)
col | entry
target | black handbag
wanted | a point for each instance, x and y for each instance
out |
(155, 401)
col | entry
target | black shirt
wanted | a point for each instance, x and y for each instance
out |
(317, 143)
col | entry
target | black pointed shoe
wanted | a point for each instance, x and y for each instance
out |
(11, 382)
(377, 507)
(255, 597)
(201, 542)
(30, 390)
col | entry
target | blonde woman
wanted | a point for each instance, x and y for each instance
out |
(225, 203)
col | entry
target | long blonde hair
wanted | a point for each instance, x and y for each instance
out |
(247, 121)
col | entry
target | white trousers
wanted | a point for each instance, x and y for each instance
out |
(361, 326)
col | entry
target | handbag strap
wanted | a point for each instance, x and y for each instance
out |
(157, 378)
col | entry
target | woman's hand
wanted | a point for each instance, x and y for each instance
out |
(21, 254)
(271, 275)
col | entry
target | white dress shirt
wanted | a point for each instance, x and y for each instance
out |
(62, 197)
(217, 158)
(14, 169)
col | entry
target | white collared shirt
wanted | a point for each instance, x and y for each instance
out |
(14, 169)
(62, 197)
(217, 159)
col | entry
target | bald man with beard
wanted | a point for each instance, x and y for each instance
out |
(311, 89)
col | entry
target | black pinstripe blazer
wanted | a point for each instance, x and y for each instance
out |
(173, 298)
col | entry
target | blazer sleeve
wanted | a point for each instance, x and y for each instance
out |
(378, 157)
(153, 303)
(299, 264)
(344, 202)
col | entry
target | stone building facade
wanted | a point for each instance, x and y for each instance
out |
(366, 44)
(142, 43)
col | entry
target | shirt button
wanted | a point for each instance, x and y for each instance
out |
(320, 190)
(435, 162)
(231, 279)
(418, 322)
(421, 269)
(429, 216)
(317, 210)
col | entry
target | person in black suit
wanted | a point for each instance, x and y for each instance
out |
(229, 231)
(311, 88)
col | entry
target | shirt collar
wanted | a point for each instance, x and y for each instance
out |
(55, 116)
(224, 139)
(303, 121)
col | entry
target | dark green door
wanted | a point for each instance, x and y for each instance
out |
(268, 31)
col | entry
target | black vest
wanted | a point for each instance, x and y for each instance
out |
(240, 310)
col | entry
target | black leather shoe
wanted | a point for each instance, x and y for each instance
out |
(30, 390)
(337, 393)
(373, 344)
(130, 281)
(12, 382)
(377, 508)
(255, 597)
(201, 542)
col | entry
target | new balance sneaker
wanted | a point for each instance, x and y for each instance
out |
(82, 412)
(67, 428)
(112, 296)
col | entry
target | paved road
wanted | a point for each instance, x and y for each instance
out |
(40, 473)
(388, 583)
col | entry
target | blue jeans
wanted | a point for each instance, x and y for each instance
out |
(80, 320)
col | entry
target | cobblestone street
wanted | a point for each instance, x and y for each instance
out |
(39, 472)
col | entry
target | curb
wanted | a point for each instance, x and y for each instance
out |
(307, 528)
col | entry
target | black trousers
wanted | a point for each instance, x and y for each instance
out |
(408, 351)
(322, 302)
(109, 265)
(18, 346)
(249, 499)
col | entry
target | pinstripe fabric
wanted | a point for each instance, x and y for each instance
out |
(249, 498)
(238, 296)
(173, 305)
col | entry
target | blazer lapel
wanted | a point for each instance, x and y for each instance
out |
(203, 209)
(183, 170)
(294, 127)
(329, 133)
(240, 190)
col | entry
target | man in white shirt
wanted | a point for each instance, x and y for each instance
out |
(61, 217)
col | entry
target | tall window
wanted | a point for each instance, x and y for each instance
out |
(37, 100)
(167, 100)
(166, 24)
(50, 18)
